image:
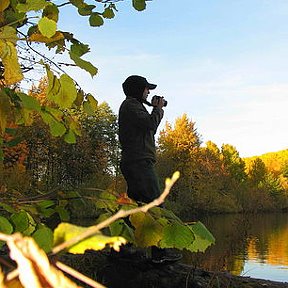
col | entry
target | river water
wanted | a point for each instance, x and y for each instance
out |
(251, 245)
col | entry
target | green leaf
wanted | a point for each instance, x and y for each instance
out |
(83, 64)
(29, 102)
(8, 33)
(31, 5)
(56, 113)
(23, 222)
(139, 5)
(51, 11)
(20, 221)
(67, 93)
(12, 70)
(63, 213)
(46, 117)
(63, 91)
(57, 128)
(79, 99)
(120, 228)
(107, 201)
(148, 231)
(4, 109)
(47, 27)
(159, 212)
(45, 204)
(203, 238)
(86, 10)
(92, 101)
(177, 235)
(48, 212)
(70, 137)
(90, 106)
(79, 49)
(45, 207)
(77, 3)
(13, 16)
(103, 217)
(75, 127)
(44, 238)
(87, 108)
(108, 13)
(66, 231)
(96, 20)
(7, 207)
(5, 226)
(107, 196)
(53, 84)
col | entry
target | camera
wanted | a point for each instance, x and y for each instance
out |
(156, 97)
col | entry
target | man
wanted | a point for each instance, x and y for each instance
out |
(136, 134)
(137, 128)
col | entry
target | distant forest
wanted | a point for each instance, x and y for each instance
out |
(213, 179)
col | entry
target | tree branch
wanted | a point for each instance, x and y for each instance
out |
(120, 214)
(94, 229)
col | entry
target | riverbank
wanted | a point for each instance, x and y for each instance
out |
(120, 272)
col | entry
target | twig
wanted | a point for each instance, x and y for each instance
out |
(5, 237)
(6, 263)
(120, 214)
(78, 275)
(13, 274)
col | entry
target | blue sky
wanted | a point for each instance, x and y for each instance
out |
(224, 63)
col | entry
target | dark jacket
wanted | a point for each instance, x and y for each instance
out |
(137, 129)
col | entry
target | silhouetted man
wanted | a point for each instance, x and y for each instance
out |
(137, 128)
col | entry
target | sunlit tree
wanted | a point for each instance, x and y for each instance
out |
(179, 146)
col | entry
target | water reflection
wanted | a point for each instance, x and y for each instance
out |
(248, 245)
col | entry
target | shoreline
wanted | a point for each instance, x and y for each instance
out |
(128, 272)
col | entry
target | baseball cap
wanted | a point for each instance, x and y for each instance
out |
(135, 82)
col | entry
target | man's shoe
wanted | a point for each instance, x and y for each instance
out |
(128, 252)
(162, 256)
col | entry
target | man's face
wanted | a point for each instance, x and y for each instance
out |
(146, 93)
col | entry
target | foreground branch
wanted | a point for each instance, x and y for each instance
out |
(19, 248)
(120, 214)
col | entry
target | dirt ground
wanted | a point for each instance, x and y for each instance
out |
(128, 273)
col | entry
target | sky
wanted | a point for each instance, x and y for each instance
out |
(224, 63)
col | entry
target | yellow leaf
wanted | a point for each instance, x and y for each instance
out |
(38, 37)
(66, 231)
(148, 232)
(14, 283)
(8, 33)
(12, 70)
(4, 4)
(33, 265)
(47, 27)
(92, 101)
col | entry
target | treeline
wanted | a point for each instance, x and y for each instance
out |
(213, 179)
(36, 162)
(218, 180)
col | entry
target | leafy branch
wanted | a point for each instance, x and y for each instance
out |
(120, 214)
(29, 256)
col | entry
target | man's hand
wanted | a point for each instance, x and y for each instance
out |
(158, 102)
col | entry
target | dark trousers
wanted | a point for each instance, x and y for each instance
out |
(143, 186)
(142, 181)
